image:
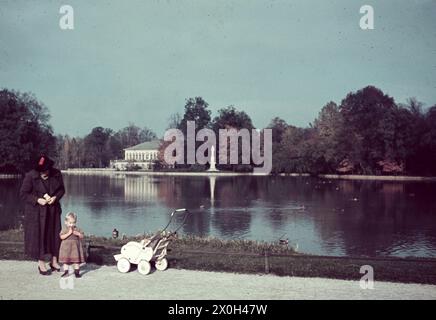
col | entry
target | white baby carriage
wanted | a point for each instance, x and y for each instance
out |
(148, 250)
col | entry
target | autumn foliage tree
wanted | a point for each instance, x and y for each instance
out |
(25, 131)
(368, 133)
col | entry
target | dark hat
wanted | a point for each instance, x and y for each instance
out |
(44, 163)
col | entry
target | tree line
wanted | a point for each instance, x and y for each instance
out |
(26, 133)
(97, 148)
(366, 133)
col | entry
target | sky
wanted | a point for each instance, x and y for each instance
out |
(137, 61)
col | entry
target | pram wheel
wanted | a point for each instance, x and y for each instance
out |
(162, 264)
(144, 267)
(123, 265)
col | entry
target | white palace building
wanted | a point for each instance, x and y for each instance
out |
(140, 156)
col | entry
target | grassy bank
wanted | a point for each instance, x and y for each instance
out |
(249, 257)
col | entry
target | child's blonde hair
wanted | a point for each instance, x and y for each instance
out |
(71, 215)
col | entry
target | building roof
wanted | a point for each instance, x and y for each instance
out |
(149, 145)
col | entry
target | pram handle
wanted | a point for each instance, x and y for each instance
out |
(171, 218)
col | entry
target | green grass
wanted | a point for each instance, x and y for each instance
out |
(243, 256)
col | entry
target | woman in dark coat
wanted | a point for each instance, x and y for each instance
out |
(42, 189)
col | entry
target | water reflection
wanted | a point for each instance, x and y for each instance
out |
(336, 217)
(140, 188)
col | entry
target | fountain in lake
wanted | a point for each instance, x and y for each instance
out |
(212, 178)
(212, 161)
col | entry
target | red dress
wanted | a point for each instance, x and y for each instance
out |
(71, 250)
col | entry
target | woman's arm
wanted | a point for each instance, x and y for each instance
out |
(60, 191)
(26, 191)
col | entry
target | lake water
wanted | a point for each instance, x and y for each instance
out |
(321, 216)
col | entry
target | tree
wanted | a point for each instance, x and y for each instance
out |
(415, 107)
(133, 135)
(328, 127)
(77, 152)
(114, 148)
(278, 127)
(307, 150)
(230, 118)
(174, 121)
(429, 141)
(412, 128)
(368, 130)
(294, 150)
(196, 109)
(25, 131)
(63, 151)
(145, 134)
(96, 150)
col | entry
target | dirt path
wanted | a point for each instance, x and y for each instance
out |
(20, 280)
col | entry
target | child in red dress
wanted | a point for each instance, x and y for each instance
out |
(71, 250)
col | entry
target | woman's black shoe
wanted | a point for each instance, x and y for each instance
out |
(43, 273)
(65, 274)
(77, 273)
(54, 269)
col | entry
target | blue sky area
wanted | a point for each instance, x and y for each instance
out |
(137, 61)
